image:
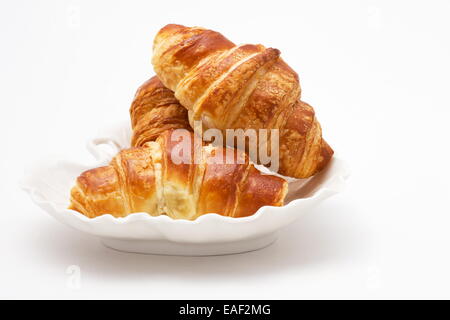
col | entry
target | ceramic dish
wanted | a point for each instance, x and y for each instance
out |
(48, 183)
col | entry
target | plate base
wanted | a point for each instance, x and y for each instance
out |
(161, 247)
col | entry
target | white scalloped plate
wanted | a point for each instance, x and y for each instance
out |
(49, 182)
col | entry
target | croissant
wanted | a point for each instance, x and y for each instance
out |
(155, 110)
(150, 179)
(241, 87)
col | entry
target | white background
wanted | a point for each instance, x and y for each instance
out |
(378, 75)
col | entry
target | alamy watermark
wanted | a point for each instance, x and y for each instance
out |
(73, 17)
(262, 146)
(74, 277)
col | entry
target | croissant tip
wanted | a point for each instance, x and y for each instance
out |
(275, 50)
(325, 155)
(171, 27)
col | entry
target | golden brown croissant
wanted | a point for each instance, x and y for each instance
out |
(246, 86)
(155, 110)
(150, 179)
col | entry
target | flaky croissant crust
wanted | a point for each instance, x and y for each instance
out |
(154, 110)
(146, 179)
(246, 86)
